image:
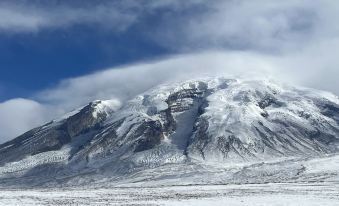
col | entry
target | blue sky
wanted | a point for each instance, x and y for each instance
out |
(38, 49)
(31, 62)
(58, 55)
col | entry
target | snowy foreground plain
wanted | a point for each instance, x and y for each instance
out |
(306, 182)
(317, 183)
(247, 194)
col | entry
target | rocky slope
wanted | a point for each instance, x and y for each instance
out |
(199, 121)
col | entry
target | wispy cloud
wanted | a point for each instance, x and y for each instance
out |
(18, 116)
(21, 16)
(265, 26)
(30, 17)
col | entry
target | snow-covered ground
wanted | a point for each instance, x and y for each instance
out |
(288, 182)
(247, 194)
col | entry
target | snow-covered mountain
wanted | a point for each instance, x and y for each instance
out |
(195, 124)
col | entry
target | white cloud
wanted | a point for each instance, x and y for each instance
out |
(20, 16)
(264, 25)
(124, 83)
(18, 116)
(32, 18)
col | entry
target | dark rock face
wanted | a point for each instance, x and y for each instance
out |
(51, 136)
(84, 121)
(188, 103)
(330, 110)
(33, 142)
(200, 139)
(268, 101)
(150, 134)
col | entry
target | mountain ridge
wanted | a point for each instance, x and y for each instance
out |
(202, 120)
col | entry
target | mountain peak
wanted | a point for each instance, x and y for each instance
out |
(201, 120)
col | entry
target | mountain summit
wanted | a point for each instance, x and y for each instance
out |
(196, 123)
